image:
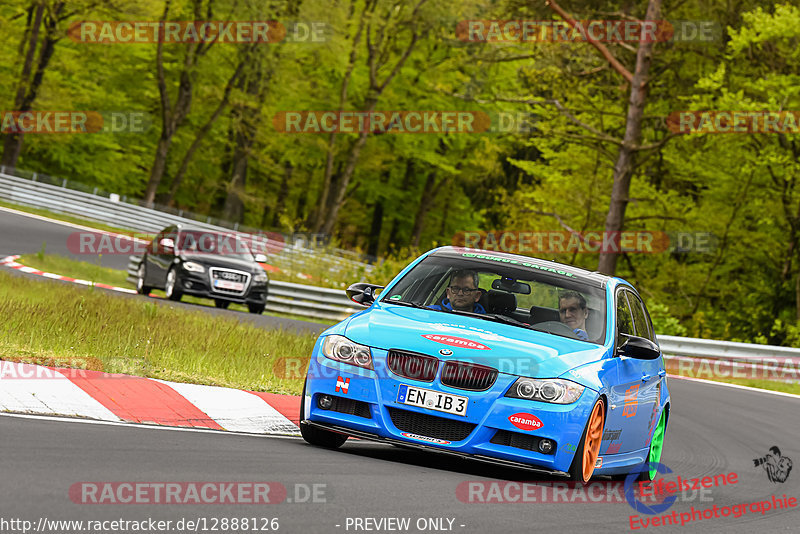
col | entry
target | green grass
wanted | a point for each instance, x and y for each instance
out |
(64, 217)
(54, 324)
(53, 263)
(56, 264)
(772, 385)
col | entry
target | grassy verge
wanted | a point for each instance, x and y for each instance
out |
(772, 385)
(75, 327)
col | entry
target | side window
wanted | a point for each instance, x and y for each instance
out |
(641, 324)
(624, 317)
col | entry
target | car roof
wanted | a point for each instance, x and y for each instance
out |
(588, 277)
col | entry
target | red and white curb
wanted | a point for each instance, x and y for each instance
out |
(34, 389)
(10, 261)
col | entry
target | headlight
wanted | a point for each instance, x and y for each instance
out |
(552, 390)
(194, 267)
(341, 349)
(261, 277)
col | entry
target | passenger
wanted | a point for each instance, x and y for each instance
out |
(573, 312)
(463, 293)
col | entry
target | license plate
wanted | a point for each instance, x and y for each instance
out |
(225, 284)
(432, 400)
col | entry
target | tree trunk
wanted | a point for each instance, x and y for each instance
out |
(623, 170)
(283, 194)
(373, 247)
(28, 88)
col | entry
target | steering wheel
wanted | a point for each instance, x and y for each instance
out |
(556, 327)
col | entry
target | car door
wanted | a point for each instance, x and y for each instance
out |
(654, 372)
(627, 418)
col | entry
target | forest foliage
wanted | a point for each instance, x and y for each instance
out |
(213, 144)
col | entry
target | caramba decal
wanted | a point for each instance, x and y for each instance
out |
(611, 435)
(426, 438)
(456, 341)
(631, 401)
(525, 421)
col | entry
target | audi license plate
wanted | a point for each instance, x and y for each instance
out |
(225, 284)
(432, 400)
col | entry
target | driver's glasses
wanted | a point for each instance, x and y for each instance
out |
(572, 309)
(461, 290)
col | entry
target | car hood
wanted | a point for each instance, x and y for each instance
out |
(510, 349)
(226, 262)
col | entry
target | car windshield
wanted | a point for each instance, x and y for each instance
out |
(527, 295)
(197, 242)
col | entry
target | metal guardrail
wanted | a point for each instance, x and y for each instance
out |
(293, 299)
(114, 211)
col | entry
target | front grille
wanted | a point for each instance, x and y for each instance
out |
(470, 376)
(413, 366)
(520, 441)
(229, 275)
(430, 425)
(351, 406)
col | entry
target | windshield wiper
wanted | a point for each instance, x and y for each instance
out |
(406, 303)
(508, 320)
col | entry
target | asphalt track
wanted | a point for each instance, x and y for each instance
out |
(713, 430)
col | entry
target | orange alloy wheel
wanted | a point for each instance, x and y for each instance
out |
(594, 434)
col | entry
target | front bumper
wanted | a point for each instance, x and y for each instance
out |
(197, 285)
(369, 408)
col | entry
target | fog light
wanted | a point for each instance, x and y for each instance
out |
(546, 446)
(325, 402)
(188, 285)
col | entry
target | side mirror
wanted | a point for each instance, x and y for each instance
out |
(638, 347)
(166, 245)
(362, 293)
(261, 258)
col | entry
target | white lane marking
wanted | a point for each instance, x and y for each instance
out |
(69, 224)
(233, 409)
(141, 426)
(50, 393)
(737, 386)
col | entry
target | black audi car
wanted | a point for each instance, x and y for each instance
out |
(202, 263)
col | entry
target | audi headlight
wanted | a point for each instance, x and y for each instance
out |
(194, 267)
(261, 278)
(343, 350)
(552, 390)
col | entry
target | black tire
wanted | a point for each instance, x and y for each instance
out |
(140, 287)
(171, 288)
(317, 436)
(576, 469)
(223, 304)
(258, 309)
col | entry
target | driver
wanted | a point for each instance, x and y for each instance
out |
(463, 293)
(573, 312)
